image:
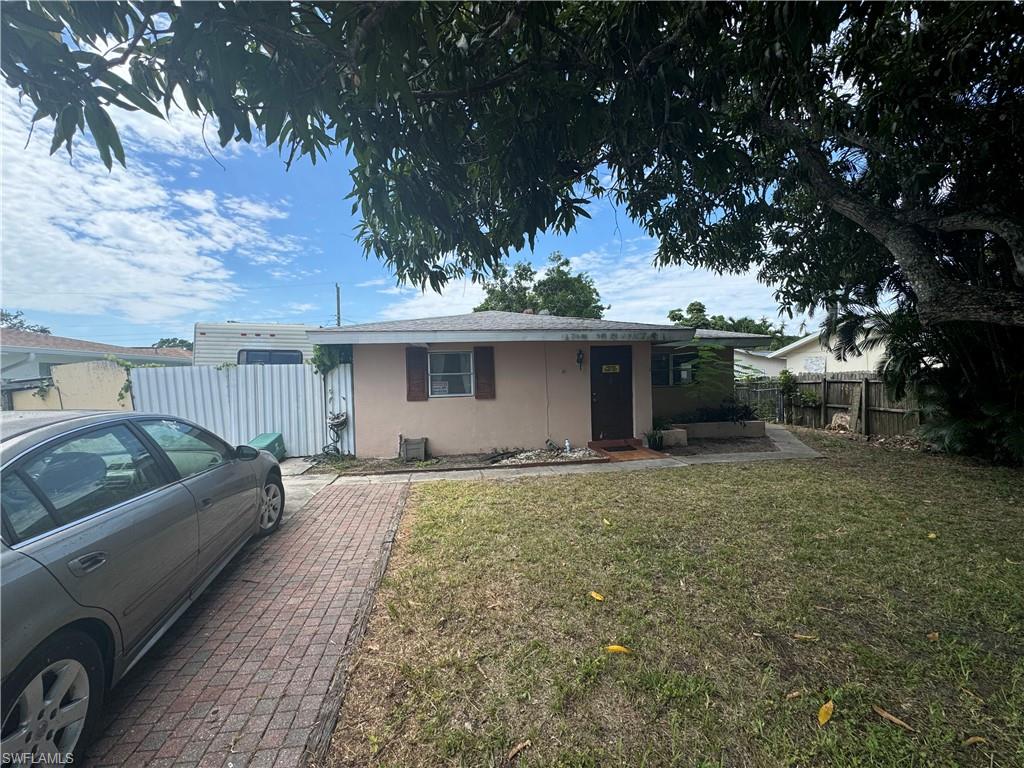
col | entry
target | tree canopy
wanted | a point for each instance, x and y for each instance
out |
(15, 320)
(559, 291)
(696, 316)
(173, 342)
(843, 150)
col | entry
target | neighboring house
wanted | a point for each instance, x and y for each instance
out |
(27, 355)
(807, 355)
(475, 382)
(749, 362)
(251, 344)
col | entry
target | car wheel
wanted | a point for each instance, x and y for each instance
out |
(52, 701)
(271, 505)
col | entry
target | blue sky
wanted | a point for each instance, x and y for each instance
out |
(128, 256)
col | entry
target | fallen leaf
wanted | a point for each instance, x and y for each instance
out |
(891, 718)
(1012, 562)
(793, 695)
(605, 521)
(933, 535)
(617, 649)
(973, 740)
(517, 749)
(597, 596)
(805, 637)
(825, 713)
(933, 636)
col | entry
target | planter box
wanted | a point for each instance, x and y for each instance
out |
(721, 429)
(675, 437)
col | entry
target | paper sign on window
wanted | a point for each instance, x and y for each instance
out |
(610, 369)
(438, 387)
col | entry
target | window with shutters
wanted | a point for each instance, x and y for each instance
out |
(450, 374)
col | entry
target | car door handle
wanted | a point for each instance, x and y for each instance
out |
(205, 503)
(80, 566)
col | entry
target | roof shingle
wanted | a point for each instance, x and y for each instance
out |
(10, 337)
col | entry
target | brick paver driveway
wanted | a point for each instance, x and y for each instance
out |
(245, 677)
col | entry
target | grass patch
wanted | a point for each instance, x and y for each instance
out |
(484, 634)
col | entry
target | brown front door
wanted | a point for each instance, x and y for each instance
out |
(611, 392)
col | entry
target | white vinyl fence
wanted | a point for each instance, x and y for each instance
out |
(240, 402)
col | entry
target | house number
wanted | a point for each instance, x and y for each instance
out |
(609, 369)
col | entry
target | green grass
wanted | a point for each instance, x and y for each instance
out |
(484, 634)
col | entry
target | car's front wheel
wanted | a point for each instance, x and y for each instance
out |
(271, 505)
(52, 701)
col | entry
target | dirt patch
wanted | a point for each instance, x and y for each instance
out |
(708, 445)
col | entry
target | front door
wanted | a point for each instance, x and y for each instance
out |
(611, 392)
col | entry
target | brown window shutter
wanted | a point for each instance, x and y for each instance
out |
(415, 373)
(483, 367)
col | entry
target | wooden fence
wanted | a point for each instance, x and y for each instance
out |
(860, 395)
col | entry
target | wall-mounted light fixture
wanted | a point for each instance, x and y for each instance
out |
(579, 358)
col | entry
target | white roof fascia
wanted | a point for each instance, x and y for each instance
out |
(793, 345)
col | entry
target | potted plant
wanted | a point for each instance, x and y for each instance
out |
(655, 439)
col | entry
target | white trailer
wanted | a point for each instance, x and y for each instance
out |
(251, 344)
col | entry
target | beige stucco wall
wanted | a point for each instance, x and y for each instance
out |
(708, 391)
(94, 385)
(814, 358)
(541, 394)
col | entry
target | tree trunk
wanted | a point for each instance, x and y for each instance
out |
(940, 298)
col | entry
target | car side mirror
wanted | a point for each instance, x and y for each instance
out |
(246, 453)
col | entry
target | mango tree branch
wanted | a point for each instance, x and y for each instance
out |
(940, 298)
(1010, 231)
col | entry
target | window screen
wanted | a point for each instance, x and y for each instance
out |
(451, 374)
(269, 357)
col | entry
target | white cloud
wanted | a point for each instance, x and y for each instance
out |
(637, 290)
(301, 307)
(455, 299)
(372, 283)
(627, 279)
(81, 240)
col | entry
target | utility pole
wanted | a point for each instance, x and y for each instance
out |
(337, 303)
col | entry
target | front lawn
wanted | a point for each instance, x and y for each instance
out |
(750, 595)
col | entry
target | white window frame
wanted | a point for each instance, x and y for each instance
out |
(431, 374)
(672, 367)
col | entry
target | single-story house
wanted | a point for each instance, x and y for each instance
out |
(809, 355)
(29, 355)
(485, 380)
(758, 363)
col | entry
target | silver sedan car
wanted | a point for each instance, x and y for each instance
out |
(113, 524)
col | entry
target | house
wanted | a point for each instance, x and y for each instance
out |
(475, 382)
(758, 363)
(809, 355)
(251, 343)
(28, 355)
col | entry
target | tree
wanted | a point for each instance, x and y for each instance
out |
(844, 149)
(844, 152)
(16, 322)
(696, 316)
(559, 292)
(173, 343)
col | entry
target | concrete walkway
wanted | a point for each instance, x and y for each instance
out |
(789, 447)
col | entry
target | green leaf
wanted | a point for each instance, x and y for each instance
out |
(104, 134)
